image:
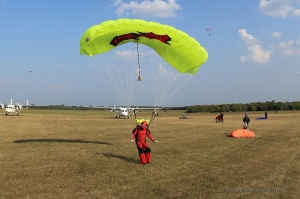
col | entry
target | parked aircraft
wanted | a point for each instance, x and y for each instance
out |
(13, 108)
(125, 112)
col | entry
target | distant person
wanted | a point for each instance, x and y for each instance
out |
(222, 117)
(266, 115)
(184, 116)
(139, 134)
(246, 121)
(218, 119)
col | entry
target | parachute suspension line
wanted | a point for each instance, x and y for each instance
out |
(183, 83)
(110, 68)
(97, 69)
(112, 74)
(163, 78)
(166, 86)
(167, 81)
(138, 58)
(154, 114)
(124, 84)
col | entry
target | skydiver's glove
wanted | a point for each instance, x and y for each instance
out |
(155, 141)
(131, 140)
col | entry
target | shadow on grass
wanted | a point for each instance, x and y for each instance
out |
(111, 155)
(227, 134)
(60, 140)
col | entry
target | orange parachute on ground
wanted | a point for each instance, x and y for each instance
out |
(242, 133)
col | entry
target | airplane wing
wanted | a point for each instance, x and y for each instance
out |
(144, 108)
(115, 108)
(108, 108)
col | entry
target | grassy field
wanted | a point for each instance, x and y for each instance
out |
(77, 154)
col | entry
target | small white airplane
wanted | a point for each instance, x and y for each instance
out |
(120, 111)
(125, 112)
(13, 108)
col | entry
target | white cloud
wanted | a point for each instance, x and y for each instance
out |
(117, 2)
(148, 8)
(126, 53)
(256, 53)
(276, 34)
(280, 8)
(290, 48)
(56, 88)
(296, 12)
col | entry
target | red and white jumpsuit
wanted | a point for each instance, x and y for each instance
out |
(139, 134)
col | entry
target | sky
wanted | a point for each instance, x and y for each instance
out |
(253, 48)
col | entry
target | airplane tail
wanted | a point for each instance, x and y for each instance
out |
(2, 106)
(21, 107)
(113, 108)
(26, 104)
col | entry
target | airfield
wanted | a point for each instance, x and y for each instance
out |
(88, 154)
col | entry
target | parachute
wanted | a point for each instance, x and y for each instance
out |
(121, 48)
(176, 47)
(209, 30)
(261, 118)
(242, 133)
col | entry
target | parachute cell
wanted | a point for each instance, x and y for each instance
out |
(176, 47)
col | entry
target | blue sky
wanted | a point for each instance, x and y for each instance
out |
(254, 49)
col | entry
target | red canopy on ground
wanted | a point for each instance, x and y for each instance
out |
(242, 133)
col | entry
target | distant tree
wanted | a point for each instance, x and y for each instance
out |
(225, 108)
(252, 107)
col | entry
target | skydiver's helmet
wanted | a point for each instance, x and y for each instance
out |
(144, 124)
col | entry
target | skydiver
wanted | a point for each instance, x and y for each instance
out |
(246, 121)
(139, 134)
(222, 116)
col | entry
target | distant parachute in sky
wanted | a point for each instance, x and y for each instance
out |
(209, 30)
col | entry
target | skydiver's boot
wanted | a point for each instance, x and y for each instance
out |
(148, 154)
(142, 156)
(148, 157)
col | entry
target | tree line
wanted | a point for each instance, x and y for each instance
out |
(254, 106)
(238, 107)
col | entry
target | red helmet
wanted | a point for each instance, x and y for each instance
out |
(144, 123)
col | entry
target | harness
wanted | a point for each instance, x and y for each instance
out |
(138, 129)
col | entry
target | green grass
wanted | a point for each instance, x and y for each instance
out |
(77, 154)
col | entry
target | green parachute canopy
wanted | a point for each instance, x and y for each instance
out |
(176, 47)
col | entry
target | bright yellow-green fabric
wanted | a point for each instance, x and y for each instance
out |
(139, 121)
(184, 53)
